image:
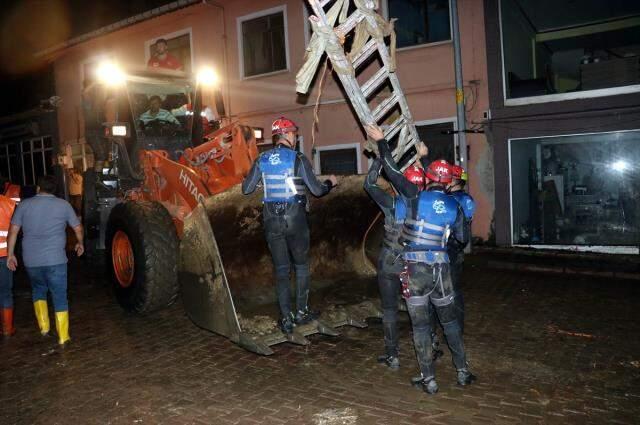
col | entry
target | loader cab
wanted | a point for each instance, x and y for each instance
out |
(162, 115)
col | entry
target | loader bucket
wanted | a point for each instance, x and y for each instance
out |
(226, 274)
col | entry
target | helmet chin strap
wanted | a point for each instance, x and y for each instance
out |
(289, 143)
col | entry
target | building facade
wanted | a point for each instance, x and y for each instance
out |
(564, 87)
(257, 48)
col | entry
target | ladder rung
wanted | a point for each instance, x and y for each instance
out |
(365, 53)
(374, 82)
(409, 162)
(406, 148)
(384, 107)
(394, 128)
(351, 22)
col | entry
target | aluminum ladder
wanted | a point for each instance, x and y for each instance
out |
(401, 133)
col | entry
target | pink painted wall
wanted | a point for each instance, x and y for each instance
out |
(425, 72)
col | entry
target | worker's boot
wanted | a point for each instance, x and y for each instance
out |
(42, 315)
(286, 323)
(464, 377)
(62, 326)
(305, 316)
(7, 322)
(393, 362)
(429, 385)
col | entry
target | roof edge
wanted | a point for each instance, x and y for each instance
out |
(141, 17)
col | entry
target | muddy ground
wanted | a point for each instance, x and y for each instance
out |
(547, 349)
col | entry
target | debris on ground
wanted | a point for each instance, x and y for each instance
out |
(556, 330)
(257, 325)
(346, 416)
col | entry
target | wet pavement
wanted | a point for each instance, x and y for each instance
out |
(546, 349)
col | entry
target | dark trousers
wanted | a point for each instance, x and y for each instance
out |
(287, 234)
(389, 268)
(456, 260)
(431, 288)
(6, 285)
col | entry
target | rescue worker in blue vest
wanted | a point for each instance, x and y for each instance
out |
(389, 266)
(285, 174)
(432, 216)
(456, 246)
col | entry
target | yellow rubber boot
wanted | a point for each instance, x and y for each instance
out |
(42, 315)
(62, 326)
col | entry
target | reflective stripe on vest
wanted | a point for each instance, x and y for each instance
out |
(278, 175)
(6, 211)
(428, 227)
(426, 239)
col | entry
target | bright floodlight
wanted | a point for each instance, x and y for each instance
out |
(110, 74)
(620, 165)
(207, 77)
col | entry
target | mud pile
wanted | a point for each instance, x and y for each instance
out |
(338, 223)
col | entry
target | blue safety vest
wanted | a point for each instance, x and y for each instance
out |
(466, 202)
(278, 175)
(393, 225)
(428, 226)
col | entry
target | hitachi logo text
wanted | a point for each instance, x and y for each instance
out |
(191, 186)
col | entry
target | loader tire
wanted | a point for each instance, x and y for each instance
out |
(143, 233)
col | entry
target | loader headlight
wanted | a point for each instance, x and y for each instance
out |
(207, 77)
(116, 129)
(110, 74)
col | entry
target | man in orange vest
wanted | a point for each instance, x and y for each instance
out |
(12, 191)
(7, 205)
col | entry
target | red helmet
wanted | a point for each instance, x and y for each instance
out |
(439, 171)
(456, 172)
(415, 175)
(283, 125)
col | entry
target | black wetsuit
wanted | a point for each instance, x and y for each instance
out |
(287, 230)
(389, 265)
(455, 249)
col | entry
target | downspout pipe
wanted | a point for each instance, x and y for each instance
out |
(224, 53)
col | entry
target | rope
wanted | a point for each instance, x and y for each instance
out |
(316, 118)
(364, 239)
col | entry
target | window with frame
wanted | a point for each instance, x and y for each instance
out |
(420, 21)
(264, 48)
(562, 46)
(339, 161)
(440, 140)
(23, 162)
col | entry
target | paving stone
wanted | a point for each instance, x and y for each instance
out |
(546, 349)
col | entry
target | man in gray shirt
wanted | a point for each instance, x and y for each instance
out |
(43, 220)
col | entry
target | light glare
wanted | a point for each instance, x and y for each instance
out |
(119, 130)
(110, 74)
(207, 77)
(619, 165)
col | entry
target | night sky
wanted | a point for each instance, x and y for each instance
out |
(29, 26)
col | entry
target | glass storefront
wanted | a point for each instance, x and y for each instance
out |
(581, 190)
